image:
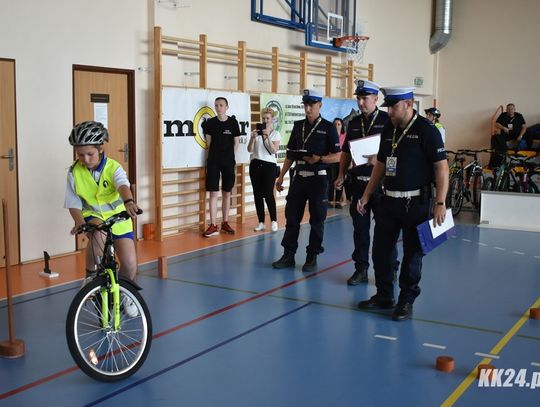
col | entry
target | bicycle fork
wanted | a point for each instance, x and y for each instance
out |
(114, 289)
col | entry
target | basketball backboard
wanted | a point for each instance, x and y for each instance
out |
(321, 20)
(328, 19)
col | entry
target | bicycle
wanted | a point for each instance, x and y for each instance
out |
(465, 181)
(514, 175)
(108, 326)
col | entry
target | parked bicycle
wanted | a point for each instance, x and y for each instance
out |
(514, 174)
(108, 327)
(465, 181)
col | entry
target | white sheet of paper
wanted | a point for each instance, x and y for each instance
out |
(364, 146)
(447, 225)
(101, 113)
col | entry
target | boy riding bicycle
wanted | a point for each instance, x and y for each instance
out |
(98, 188)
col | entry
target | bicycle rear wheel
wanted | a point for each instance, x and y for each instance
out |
(478, 181)
(102, 352)
(454, 199)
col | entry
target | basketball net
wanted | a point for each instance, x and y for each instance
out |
(355, 47)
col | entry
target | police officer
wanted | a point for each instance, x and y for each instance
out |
(370, 122)
(313, 144)
(433, 115)
(411, 157)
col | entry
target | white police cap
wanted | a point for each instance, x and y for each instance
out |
(311, 96)
(365, 87)
(392, 95)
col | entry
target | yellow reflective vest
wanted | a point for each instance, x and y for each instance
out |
(100, 199)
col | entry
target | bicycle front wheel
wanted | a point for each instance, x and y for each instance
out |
(101, 351)
(478, 181)
(455, 195)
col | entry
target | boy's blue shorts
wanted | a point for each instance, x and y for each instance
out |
(128, 235)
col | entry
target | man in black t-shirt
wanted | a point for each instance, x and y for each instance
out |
(222, 137)
(511, 124)
(411, 157)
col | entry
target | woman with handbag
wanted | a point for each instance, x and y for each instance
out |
(263, 145)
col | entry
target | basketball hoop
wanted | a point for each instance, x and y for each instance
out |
(355, 45)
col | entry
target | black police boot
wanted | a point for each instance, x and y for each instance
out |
(311, 263)
(376, 302)
(402, 312)
(286, 261)
(359, 276)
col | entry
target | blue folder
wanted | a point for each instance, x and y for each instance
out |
(427, 241)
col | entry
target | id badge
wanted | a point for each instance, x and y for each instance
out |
(510, 126)
(391, 166)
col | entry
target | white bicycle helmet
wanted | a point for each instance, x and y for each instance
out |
(88, 134)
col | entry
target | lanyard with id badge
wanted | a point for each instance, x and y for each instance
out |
(391, 162)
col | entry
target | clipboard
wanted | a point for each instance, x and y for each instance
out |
(364, 146)
(298, 154)
(426, 236)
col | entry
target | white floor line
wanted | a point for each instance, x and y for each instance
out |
(499, 248)
(466, 240)
(535, 364)
(482, 244)
(432, 345)
(537, 257)
(516, 252)
(390, 338)
(487, 355)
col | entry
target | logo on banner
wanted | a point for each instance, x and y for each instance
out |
(188, 128)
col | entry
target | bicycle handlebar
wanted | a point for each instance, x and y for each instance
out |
(106, 225)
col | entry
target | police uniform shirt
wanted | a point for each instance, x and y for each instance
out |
(416, 153)
(517, 122)
(222, 134)
(323, 140)
(356, 131)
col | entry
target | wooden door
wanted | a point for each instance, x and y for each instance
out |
(8, 160)
(106, 94)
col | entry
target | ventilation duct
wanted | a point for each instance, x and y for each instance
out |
(442, 25)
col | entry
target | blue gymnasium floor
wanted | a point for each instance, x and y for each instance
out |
(231, 331)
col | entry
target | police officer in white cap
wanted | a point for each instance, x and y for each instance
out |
(411, 157)
(370, 122)
(313, 144)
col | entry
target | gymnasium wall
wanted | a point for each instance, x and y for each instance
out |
(492, 59)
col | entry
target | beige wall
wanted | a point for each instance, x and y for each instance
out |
(491, 59)
(46, 38)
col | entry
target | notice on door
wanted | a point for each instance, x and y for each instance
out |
(101, 113)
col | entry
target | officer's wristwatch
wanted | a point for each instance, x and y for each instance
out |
(439, 203)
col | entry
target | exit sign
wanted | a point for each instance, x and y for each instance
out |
(418, 81)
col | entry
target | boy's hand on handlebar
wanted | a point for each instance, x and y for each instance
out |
(132, 209)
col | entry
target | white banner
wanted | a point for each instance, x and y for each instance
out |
(184, 110)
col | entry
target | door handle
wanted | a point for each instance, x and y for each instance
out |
(125, 151)
(10, 156)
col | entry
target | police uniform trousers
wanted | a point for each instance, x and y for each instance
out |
(313, 189)
(395, 215)
(362, 225)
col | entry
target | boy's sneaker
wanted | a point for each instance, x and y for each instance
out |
(225, 228)
(128, 307)
(259, 227)
(211, 231)
(274, 226)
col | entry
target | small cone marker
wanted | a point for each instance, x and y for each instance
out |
(445, 364)
(534, 313)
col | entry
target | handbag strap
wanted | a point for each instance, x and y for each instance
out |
(265, 146)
